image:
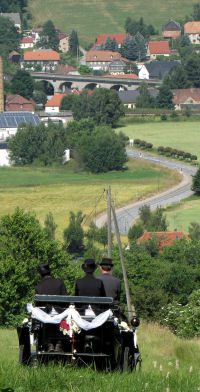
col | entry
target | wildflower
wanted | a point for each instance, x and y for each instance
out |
(191, 369)
(168, 374)
(161, 368)
(154, 364)
(146, 385)
(177, 364)
(167, 390)
(170, 363)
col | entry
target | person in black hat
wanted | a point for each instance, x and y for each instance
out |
(112, 284)
(89, 286)
(49, 285)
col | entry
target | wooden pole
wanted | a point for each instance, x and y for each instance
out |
(131, 309)
(109, 222)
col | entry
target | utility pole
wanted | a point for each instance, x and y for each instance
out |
(131, 309)
(109, 222)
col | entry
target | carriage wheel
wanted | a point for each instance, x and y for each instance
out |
(126, 359)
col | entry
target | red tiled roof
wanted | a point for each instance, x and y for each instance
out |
(26, 40)
(182, 95)
(119, 38)
(17, 102)
(62, 35)
(41, 55)
(102, 55)
(55, 100)
(159, 47)
(192, 28)
(166, 237)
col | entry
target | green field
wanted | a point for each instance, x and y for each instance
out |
(93, 17)
(62, 190)
(183, 135)
(169, 365)
(180, 216)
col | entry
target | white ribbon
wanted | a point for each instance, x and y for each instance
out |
(40, 315)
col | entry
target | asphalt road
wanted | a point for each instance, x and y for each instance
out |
(127, 214)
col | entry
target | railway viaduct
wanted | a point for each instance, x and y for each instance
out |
(60, 82)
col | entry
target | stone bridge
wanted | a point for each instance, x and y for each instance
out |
(60, 81)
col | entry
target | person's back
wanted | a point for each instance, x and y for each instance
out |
(112, 284)
(89, 286)
(49, 285)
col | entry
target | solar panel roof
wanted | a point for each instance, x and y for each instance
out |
(13, 119)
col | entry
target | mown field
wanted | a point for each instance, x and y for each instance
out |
(183, 135)
(93, 17)
(181, 215)
(62, 190)
(169, 365)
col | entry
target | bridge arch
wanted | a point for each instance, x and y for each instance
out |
(65, 86)
(91, 86)
(118, 87)
(48, 87)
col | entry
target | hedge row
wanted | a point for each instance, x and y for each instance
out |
(173, 152)
(143, 144)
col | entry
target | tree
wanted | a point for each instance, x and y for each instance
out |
(164, 98)
(141, 46)
(194, 231)
(152, 220)
(31, 143)
(73, 43)
(85, 70)
(23, 84)
(176, 78)
(9, 37)
(196, 11)
(68, 101)
(103, 106)
(50, 226)
(192, 69)
(196, 182)
(135, 232)
(23, 246)
(144, 99)
(49, 37)
(131, 68)
(74, 234)
(13, 6)
(102, 151)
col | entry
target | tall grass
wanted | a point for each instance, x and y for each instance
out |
(169, 365)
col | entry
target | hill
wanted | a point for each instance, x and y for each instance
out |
(93, 17)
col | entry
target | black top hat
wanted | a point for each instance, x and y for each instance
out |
(89, 265)
(106, 261)
(44, 269)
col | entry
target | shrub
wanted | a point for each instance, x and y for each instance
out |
(149, 146)
(163, 117)
(137, 141)
(161, 149)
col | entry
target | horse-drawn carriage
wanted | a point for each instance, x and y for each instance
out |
(79, 330)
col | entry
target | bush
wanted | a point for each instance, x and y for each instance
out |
(163, 117)
(149, 146)
(161, 149)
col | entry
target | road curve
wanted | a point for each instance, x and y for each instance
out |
(126, 215)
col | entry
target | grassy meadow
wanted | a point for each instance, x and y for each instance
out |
(179, 216)
(93, 17)
(183, 135)
(169, 365)
(62, 190)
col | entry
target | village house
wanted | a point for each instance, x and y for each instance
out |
(128, 98)
(63, 42)
(165, 238)
(156, 48)
(192, 29)
(9, 122)
(53, 105)
(186, 97)
(101, 59)
(157, 69)
(26, 42)
(15, 102)
(171, 29)
(101, 39)
(47, 59)
(15, 17)
(116, 67)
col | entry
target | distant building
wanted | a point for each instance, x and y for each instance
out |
(156, 48)
(165, 238)
(186, 97)
(101, 59)
(101, 39)
(9, 122)
(157, 69)
(192, 29)
(26, 42)
(17, 103)
(47, 59)
(63, 42)
(128, 98)
(15, 17)
(171, 29)
(53, 105)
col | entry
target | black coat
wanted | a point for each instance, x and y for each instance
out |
(51, 286)
(112, 286)
(89, 286)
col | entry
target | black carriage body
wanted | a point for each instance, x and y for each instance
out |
(105, 345)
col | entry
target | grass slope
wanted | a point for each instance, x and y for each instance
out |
(93, 17)
(181, 135)
(61, 190)
(169, 365)
(181, 215)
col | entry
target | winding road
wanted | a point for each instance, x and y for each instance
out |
(126, 215)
